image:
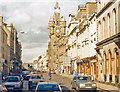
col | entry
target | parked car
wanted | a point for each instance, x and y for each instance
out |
(83, 83)
(48, 86)
(3, 88)
(34, 79)
(24, 75)
(21, 78)
(13, 82)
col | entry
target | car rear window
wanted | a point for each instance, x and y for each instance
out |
(48, 87)
(83, 78)
(12, 79)
(35, 77)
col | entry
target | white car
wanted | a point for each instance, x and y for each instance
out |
(12, 83)
(48, 86)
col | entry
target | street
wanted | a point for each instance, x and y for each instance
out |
(63, 81)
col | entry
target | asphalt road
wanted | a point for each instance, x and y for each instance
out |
(63, 81)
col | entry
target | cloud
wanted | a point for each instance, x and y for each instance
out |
(32, 17)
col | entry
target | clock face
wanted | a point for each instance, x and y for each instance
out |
(57, 30)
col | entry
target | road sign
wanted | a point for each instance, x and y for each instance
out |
(66, 61)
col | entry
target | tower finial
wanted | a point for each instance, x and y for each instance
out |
(56, 6)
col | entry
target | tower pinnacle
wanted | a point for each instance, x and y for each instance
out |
(56, 6)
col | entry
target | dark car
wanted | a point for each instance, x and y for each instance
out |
(21, 78)
(48, 87)
(13, 83)
(83, 83)
(25, 75)
(34, 79)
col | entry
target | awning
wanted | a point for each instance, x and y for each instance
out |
(79, 60)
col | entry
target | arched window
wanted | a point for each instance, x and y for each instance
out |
(105, 61)
(109, 25)
(115, 21)
(99, 31)
(116, 60)
(110, 61)
(103, 28)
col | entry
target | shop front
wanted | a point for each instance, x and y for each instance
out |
(80, 68)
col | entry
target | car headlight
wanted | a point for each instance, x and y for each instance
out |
(81, 85)
(94, 85)
(18, 85)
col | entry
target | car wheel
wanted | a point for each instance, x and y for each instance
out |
(72, 86)
(77, 88)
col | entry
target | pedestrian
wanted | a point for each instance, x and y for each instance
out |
(76, 73)
(50, 75)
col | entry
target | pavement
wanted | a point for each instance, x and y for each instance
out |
(101, 86)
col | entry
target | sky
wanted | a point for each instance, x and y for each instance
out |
(32, 17)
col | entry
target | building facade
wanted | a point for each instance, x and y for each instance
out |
(9, 46)
(81, 30)
(108, 46)
(3, 48)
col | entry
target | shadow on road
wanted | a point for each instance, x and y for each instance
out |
(65, 89)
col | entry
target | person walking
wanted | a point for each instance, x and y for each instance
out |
(50, 75)
(76, 73)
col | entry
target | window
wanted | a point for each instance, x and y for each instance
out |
(91, 41)
(109, 25)
(94, 39)
(103, 28)
(115, 21)
(3, 37)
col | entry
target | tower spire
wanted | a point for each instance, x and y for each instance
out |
(56, 6)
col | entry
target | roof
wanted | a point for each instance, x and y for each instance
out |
(47, 83)
(12, 76)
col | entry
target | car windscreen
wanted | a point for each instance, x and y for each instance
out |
(35, 77)
(19, 76)
(12, 79)
(25, 73)
(48, 87)
(83, 78)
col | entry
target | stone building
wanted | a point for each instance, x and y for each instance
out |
(62, 52)
(108, 46)
(71, 43)
(42, 63)
(36, 65)
(79, 36)
(14, 48)
(4, 58)
(27, 65)
(10, 46)
(57, 26)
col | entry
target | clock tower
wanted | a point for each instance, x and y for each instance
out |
(57, 28)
